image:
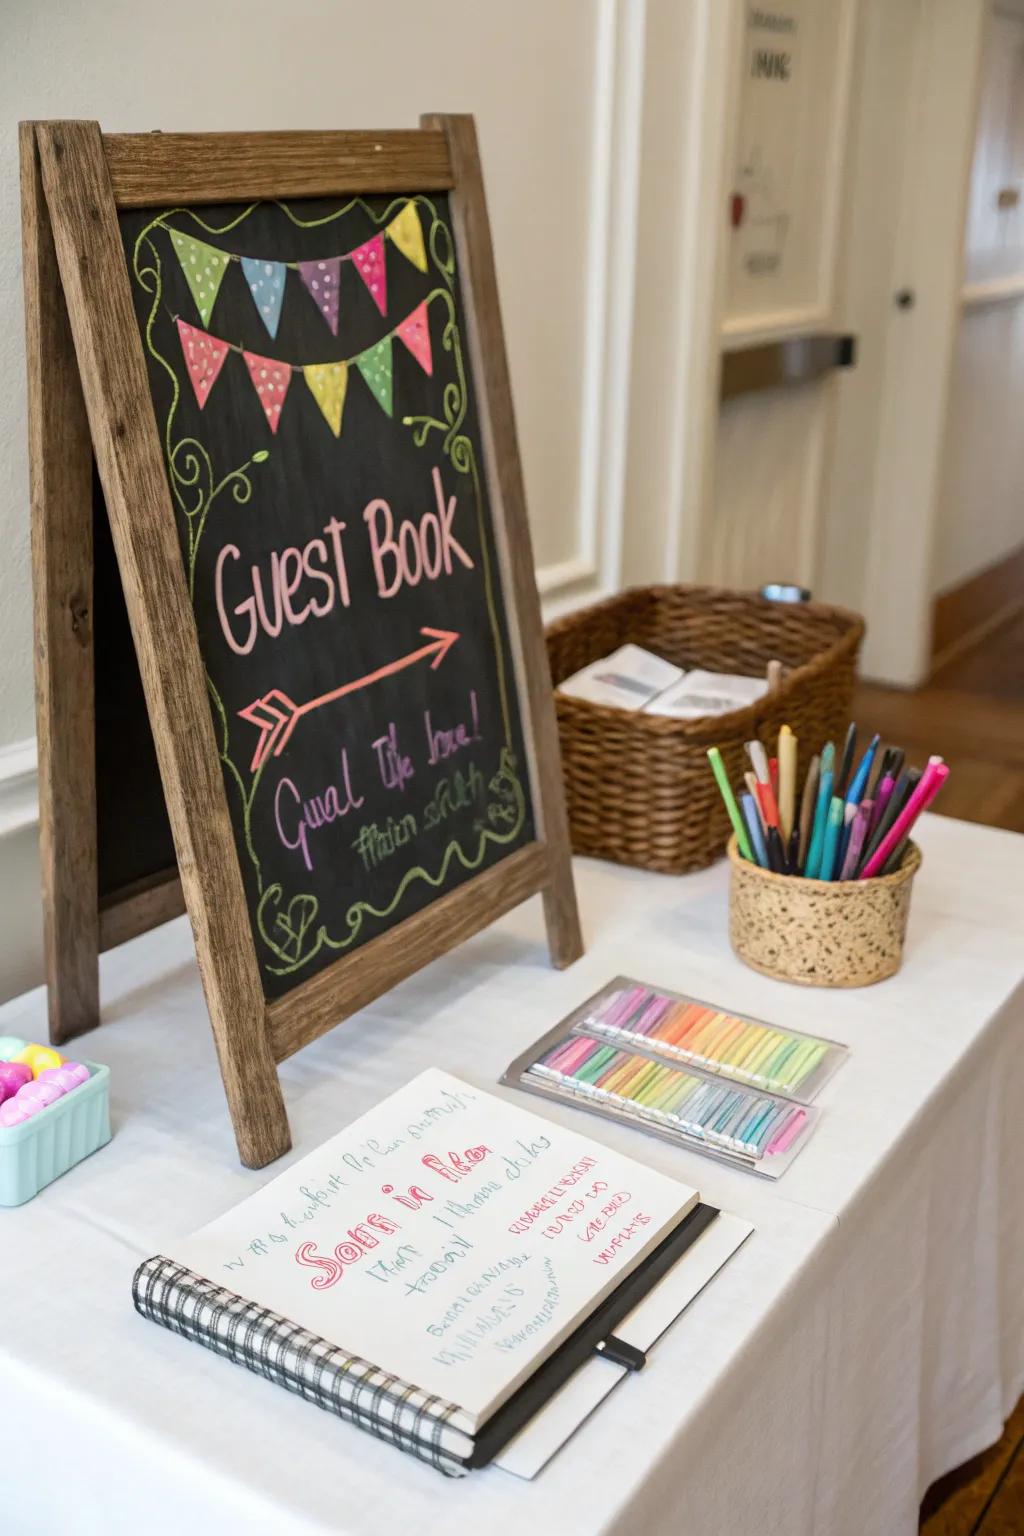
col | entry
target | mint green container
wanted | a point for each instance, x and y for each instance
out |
(39, 1150)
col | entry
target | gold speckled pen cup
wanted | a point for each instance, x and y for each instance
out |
(820, 933)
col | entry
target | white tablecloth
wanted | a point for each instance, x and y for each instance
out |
(866, 1339)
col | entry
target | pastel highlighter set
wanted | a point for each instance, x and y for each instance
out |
(731, 1087)
(53, 1113)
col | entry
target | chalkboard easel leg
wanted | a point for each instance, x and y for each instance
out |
(252, 1088)
(60, 464)
(562, 919)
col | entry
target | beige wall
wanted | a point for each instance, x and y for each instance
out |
(981, 509)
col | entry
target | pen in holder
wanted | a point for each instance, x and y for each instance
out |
(820, 933)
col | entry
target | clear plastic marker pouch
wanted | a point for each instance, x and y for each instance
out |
(734, 1088)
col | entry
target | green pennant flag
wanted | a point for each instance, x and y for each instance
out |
(204, 267)
(375, 366)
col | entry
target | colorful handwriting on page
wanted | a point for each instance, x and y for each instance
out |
(276, 715)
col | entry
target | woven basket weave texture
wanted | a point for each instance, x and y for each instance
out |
(639, 787)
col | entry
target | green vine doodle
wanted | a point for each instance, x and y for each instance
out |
(292, 924)
(289, 926)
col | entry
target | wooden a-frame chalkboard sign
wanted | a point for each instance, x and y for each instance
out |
(283, 354)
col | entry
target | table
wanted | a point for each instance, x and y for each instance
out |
(867, 1338)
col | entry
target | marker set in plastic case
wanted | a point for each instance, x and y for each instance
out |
(684, 1029)
(730, 1087)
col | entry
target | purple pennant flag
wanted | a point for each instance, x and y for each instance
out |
(321, 280)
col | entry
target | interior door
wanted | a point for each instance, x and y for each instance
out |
(781, 336)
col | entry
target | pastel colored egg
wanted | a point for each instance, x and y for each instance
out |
(38, 1095)
(13, 1075)
(10, 1046)
(14, 1111)
(39, 1057)
(68, 1076)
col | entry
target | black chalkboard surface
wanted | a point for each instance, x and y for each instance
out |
(313, 395)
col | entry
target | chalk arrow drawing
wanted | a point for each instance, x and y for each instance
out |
(275, 715)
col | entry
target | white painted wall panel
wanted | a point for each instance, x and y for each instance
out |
(768, 488)
(981, 507)
(995, 235)
(981, 502)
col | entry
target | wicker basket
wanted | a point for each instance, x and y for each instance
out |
(820, 933)
(639, 788)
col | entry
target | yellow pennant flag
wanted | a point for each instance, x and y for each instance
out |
(328, 383)
(407, 233)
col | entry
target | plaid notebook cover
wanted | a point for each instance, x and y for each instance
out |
(263, 1341)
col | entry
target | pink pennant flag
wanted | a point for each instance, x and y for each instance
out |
(415, 332)
(270, 380)
(369, 263)
(204, 358)
(321, 280)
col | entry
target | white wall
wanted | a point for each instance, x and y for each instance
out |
(981, 511)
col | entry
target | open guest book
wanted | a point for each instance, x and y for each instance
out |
(457, 1275)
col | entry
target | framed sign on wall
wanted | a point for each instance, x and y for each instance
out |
(788, 177)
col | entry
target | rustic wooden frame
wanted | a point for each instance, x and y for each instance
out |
(89, 394)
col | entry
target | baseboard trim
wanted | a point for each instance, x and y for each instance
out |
(977, 607)
(19, 786)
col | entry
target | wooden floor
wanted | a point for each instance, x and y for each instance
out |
(972, 714)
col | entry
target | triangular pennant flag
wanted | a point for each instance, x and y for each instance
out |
(375, 366)
(369, 263)
(204, 358)
(266, 284)
(406, 231)
(321, 278)
(204, 267)
(270, 380)
(328, 383)
(415, 332)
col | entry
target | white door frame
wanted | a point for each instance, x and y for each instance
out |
(904, 496)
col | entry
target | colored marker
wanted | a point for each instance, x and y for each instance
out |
(932, 780)
(787, 783)
(753, 821)
(785, 1138)
(855, 846)
(855, 793)
(812, 870)
(832, 830)
(725, 789)
(807, 804)
(849, 747)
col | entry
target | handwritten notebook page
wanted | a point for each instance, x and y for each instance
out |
(447, 1237)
